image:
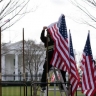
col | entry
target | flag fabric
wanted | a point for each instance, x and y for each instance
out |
(62, 59)
(95, 74)
(74, 75)
(95, 71)
(81, 67)
(58, 33)
(53, 77)
(88, 80)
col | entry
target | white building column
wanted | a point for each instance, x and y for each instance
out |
(3, 67)
(16, 67)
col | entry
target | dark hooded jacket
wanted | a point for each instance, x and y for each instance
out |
(44, 39)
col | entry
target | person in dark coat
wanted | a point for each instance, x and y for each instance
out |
(50, 54)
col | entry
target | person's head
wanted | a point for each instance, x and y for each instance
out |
(45, 27)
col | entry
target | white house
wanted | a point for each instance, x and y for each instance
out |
(12, 62)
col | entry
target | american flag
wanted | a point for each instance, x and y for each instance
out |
(53, 78)
(74, 76)
(88, 80)
(58, 32)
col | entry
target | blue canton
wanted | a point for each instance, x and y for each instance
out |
(87, 48)
(62, 27)
(71, 47)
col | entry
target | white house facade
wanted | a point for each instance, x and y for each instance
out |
(12, 63)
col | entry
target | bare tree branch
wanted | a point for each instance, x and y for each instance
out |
(1, 0)
(13, 10)
(84, 9)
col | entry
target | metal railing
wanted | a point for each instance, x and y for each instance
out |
(10, 88)
(23, 88)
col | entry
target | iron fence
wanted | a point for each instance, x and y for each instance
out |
(14, 87)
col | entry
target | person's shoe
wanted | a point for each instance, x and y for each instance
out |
(43, 89)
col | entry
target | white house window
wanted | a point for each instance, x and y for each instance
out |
(14, 62)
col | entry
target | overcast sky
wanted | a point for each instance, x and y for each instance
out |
(47, 12)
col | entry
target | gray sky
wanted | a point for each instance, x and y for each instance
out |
(47, 12)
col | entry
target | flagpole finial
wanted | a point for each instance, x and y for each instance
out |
(88, 31)
(62, 15)
(69, 30)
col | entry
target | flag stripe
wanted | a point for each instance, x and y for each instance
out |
(74, 76)
(88, 80)
(60, 46)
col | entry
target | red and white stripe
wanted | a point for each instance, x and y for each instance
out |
(52, 78)
(74, 75)
(88, 84)
(61, 50)
(95, 74)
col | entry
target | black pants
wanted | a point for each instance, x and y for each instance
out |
(45, 70)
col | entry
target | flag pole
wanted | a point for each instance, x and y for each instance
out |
(70, 68)
(23, 63)
(0, 66)
(47, 65)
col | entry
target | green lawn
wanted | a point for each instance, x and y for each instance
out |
(19, 91)
(13, 91)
